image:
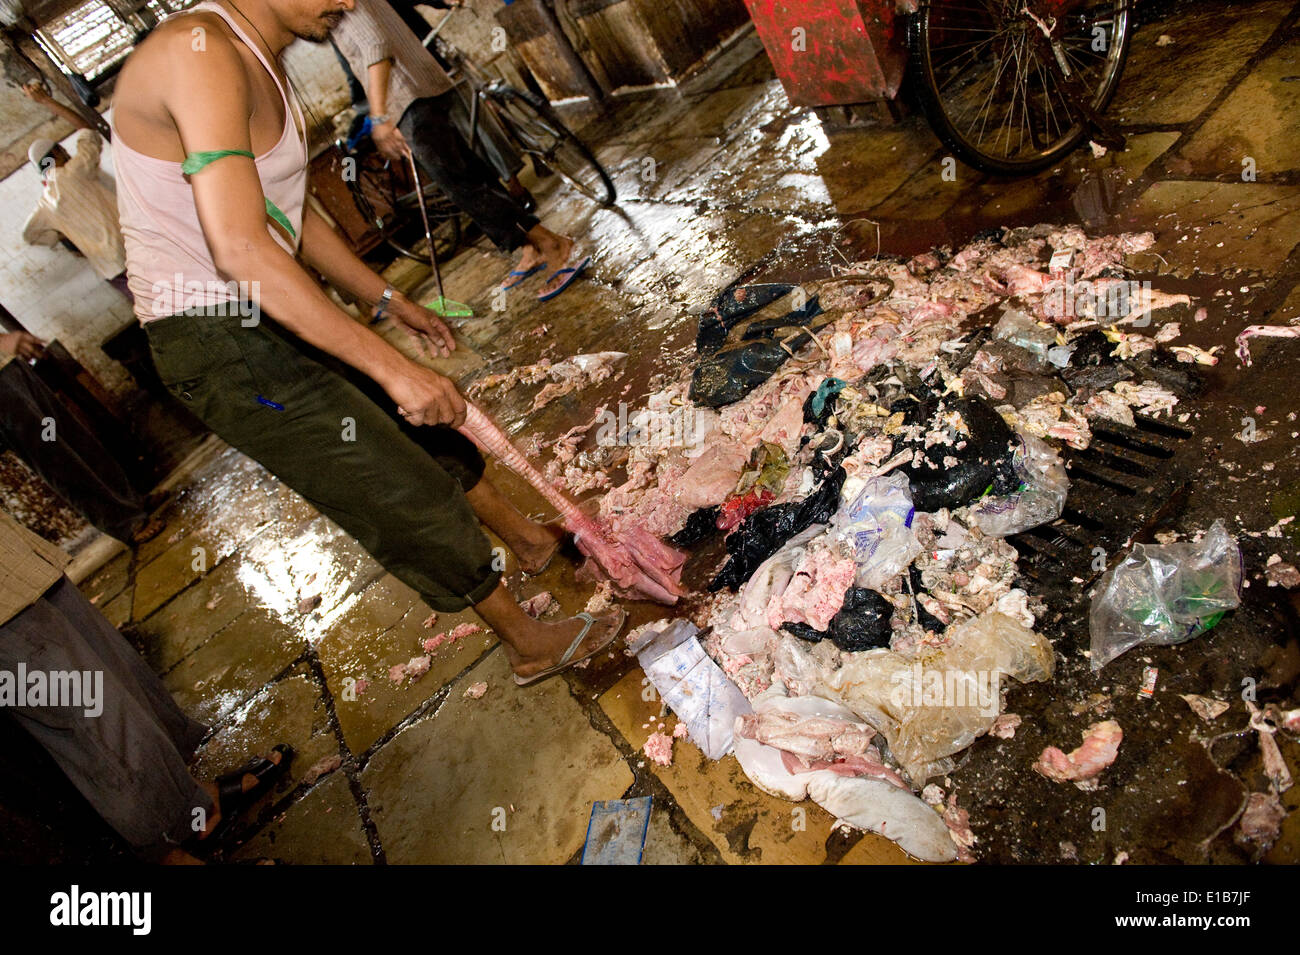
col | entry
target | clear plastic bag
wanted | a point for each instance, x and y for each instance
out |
(1020, 329)
(1041, 498)
(877, 521)
(1165, 594)
(935, 704)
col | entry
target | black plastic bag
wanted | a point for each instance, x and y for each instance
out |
(701, 525)
(805, 631)
(728, 376)
(861, 624)
(984, 464)
(737, 369)
(763, 534)
(729, 308)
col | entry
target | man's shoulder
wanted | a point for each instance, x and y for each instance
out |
(192, 51)
(181, 39)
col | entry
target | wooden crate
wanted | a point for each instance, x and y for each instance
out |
(630, 43)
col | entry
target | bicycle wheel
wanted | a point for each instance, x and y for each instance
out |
(406, 234)
(1007, 85)
(544, 137)
(387, 201)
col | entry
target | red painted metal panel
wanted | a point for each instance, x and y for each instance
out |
(832, 52)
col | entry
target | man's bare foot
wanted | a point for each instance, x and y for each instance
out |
(530, 256)
(552, 646)
(536, 552)
(557, 255)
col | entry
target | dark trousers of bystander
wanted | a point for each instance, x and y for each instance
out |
(38, 427)
(129, 760)
(462, 174)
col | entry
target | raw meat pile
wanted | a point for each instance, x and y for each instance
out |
(565, 376)
(868, 605)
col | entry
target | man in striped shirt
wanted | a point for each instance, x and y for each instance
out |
(410, 101)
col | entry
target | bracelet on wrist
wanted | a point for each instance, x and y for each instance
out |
(381, 307)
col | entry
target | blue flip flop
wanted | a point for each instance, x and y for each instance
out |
(573, 272)
(520, 276)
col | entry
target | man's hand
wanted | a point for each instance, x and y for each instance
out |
(422, 325)
(35, 91)
(426, 397)
(21, 345)
(390, 142)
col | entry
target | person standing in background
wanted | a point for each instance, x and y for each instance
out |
(122, 741)
(63, 452)
(74, 203)
(411, 100)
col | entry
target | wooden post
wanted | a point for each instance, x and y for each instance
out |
(546, 50)
(35, 55)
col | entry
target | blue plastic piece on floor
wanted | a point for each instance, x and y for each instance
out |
(616, 832)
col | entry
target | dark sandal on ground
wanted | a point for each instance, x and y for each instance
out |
(158, 500)
(234, 799)
(147, 531)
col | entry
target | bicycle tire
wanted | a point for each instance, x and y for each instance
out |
(395, 215)
(940, 105)
(532, 121)
(446, 236)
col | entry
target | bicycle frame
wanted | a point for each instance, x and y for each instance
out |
(465, 70)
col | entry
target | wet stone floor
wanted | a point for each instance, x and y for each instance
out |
(721, 180)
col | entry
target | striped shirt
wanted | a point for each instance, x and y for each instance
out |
(373, 32)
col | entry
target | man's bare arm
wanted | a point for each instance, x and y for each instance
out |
(388, 138)
(328, 254)
(36, 93)
(211, 110)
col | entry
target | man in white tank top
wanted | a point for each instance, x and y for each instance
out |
(206, 89)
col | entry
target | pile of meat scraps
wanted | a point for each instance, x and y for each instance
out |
(868, 605)
(564, 376)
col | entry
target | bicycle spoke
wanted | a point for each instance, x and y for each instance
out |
(995, 79)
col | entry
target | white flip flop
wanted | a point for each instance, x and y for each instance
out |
(567, 660)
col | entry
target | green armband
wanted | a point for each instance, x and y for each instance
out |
(196, 161)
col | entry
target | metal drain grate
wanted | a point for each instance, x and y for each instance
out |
(1117, 484)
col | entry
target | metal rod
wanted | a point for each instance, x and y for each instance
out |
(428, 234)
(436, 30)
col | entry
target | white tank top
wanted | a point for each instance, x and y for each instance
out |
(168, 262)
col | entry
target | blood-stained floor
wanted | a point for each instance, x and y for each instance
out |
(720, 180)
